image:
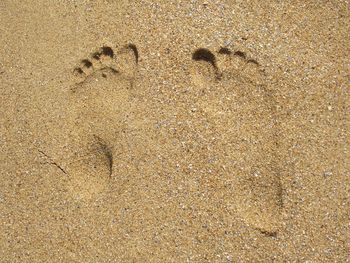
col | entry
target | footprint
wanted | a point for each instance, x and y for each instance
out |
(102, 99)
(232, 93)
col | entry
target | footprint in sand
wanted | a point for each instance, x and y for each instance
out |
(103, 105)
(236, 101)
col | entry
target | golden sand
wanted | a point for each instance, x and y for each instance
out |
(174, 131)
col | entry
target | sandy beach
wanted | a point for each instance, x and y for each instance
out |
(174, 131)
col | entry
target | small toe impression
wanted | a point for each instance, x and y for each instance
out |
(86, 66)
(134, 49)
(127, 60)
(84, 69)
(230, 61)
(253, 71)
(225, 51)
(240, 54)
(79, 74)
(104, 57)
(104, 52)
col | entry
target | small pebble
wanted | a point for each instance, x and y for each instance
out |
(327, 173)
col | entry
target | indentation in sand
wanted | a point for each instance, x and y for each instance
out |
(235, 98)
(102, 106)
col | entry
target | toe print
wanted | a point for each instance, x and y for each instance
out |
(106, 62)
(101, 94)
(235, 99)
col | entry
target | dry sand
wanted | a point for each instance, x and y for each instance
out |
(174, 131)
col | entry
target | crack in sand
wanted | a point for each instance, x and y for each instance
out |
(52, 162)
